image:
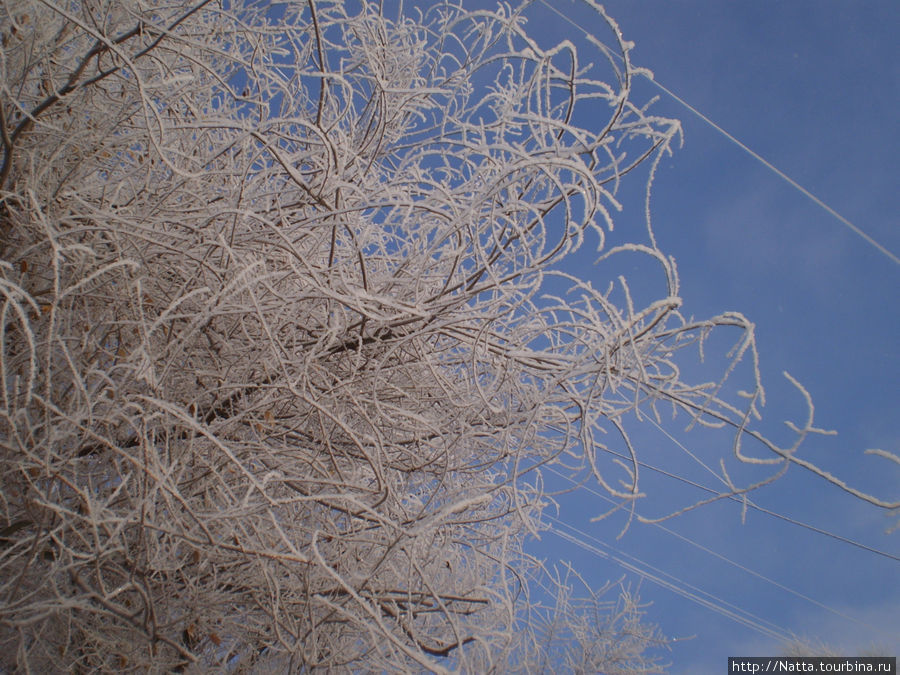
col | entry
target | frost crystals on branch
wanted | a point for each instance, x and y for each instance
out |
(285, 338)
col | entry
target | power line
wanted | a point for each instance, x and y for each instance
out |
(725, 559)
(743, 499)
(666, 580)
(853, 228)
(751, 504)
(762, 160)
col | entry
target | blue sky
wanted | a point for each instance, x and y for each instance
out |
(812, 87)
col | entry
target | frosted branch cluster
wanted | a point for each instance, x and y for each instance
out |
(287, 336)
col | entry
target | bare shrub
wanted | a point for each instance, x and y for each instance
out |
(285, 336)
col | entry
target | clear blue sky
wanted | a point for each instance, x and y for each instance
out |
(814, 87)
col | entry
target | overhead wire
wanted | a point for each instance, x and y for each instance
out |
(723, 558)
(743, 146)
(756, 507)
(666, 580)
(753, 505)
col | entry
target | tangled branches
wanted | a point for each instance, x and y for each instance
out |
(279, 362)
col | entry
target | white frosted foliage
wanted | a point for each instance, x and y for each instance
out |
(289, 330)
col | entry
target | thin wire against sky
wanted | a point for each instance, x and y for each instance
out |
(858, 231)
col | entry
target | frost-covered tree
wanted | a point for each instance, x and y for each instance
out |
(286, 338)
